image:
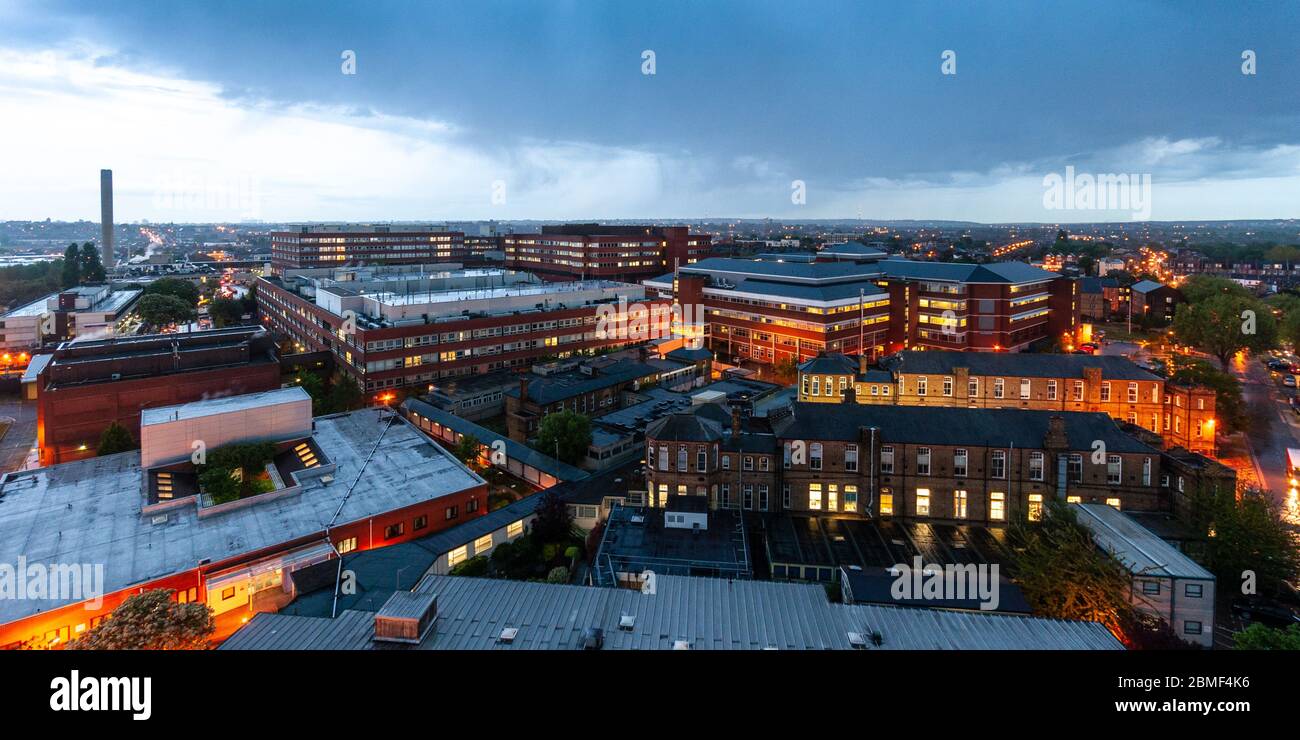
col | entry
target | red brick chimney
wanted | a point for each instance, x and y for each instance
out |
(735, 422)
(523, 387)
(862, 364)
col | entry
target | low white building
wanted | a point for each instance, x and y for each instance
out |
(1166, 582)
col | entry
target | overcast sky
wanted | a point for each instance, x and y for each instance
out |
(221, 111)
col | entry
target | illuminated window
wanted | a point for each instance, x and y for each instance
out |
(832, 497)
(514, 529)
(815, 496)
(482, 544)
(1035, 507)
(998, 506)
(886, 502)
(923, 502)
(228, 593)
(457, 556)
(1073, 499)
(850, 498)
(959, 504)
(348, 545)
(1112, 502)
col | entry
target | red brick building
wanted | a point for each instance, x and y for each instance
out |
(86, 386)
(779, 307)
(336, 246)
(412, 327)
(583, 251)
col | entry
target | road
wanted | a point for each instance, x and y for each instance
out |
(18, 443)
(1271, 427)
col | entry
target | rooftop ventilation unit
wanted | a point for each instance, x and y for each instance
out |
(406, 617)
(593, 638)
(627, 622)
(681, 645)
(857, 641)
(508, 635)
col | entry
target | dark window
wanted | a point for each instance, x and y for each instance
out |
(451, 512)
(421, 522)
(394, 530)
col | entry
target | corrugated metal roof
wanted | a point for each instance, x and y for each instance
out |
(700, 613)
(1137, 547)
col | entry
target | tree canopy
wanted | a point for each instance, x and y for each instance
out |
(151, 620)
(565, 433)
(160, 310)
(115, 439)
(1229, 408)
(1225, 323)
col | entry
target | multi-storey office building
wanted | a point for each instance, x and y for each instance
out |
(791, 306)
(987, 466)
(583, 251)
(83, 387)
(359, 244)
(1182, 415)
(403, 326)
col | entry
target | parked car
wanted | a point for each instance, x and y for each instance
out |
(1288, 380)
(1255, 609)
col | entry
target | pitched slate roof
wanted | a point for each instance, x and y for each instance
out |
(956, 426)
(1145, 286)
(993, 272)
(547, 389)
(832, 363)
(1015, 364)
(1096, 284)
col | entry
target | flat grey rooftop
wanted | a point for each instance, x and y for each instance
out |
(215, 406)
(88, 511)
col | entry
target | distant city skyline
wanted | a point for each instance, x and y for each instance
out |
(507, 111)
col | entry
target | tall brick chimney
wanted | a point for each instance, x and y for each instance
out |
(523, 387)
(735, 422)
(862, 364)
(1055, 438)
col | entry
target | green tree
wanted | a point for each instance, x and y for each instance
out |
(1263, 637)
(553, 522)
(786, 369)
(160, 310)
(71, 266)
(1245, 535)
(151, 620)
(184, 290)
(115, 439)
(315, 387)
(218, 483)
(91, 268)
(344, 395)
(565, 434)
(1064, 576)
(1203, 287)
(1226, 324)
(226, 312)
(467, 450)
